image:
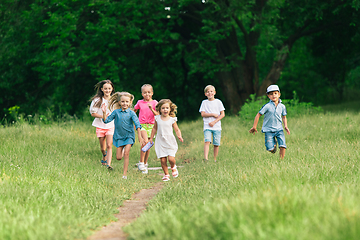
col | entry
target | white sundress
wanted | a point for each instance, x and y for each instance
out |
(165, 141)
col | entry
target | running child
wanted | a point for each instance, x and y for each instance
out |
(104, 90)
(147, 114)
(165, 144)
(274, 115)
(125, 119)
(212, 110)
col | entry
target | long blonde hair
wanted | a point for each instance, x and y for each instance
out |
(115, 98)
(173, 107)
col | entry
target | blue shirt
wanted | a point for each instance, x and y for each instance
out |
(124, 123)
(272, 116)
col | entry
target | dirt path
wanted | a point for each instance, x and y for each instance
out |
(127, 213)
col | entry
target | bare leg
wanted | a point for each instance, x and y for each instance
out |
(146, 158)
(216, 152)
(164, 165)
(119, 153)
(102, 147)
(282, 152)
(206, 150)
(109, 142)
(172, 162)
(126, 158)
(143, 154)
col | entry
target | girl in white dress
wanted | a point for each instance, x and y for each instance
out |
(165, 144)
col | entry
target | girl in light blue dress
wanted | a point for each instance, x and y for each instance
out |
(124, 120)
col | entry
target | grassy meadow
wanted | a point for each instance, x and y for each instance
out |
(250, 194)
(52, 185)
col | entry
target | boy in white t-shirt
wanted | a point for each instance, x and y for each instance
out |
(212, 111)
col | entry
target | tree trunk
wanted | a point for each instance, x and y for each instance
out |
(275, 71)
(236, 83)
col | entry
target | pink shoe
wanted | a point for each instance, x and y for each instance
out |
(176, 173)
(166, 178)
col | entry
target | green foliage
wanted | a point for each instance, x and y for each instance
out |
(293, 107)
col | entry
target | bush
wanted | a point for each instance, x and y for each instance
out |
(293, 106)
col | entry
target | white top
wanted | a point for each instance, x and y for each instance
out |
(214, 106)
(98, 122)
(165, 141)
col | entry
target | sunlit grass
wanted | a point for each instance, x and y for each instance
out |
(251, 194)
(52, 185)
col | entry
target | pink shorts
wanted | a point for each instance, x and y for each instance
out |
(100, 132)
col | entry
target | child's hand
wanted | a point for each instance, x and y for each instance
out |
(181, 139)
(287, 130)
(212, 123)
(253, 130)
(215, 115)
(149, 105)
(103, 107)
(142, 142)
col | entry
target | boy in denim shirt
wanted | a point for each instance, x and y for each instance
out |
(274, 114)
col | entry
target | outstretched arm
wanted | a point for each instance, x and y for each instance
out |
(256, 120)
(178, 132)
(285, 124)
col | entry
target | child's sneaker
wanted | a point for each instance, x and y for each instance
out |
(137, 164)
(145, 171)
(124, 177)
(147, 165)
(141, 166)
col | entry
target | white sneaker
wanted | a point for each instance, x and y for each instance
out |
(145, 171)
(147, 165)
(141, 166)
(124, 177)
(137, 164)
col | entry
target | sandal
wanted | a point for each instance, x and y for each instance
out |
(166, 178)
(109, 167)
(104, 162)
(176, 173)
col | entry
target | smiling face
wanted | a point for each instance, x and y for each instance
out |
(274, 96)
(107, 90)
(147, 93)
(210, 93)
(124, 102)
(165, 110)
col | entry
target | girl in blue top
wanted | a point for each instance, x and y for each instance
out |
(124, 119)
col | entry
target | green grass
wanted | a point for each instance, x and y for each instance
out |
(52, 185)
(250, 194)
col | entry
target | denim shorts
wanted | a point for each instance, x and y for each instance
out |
(272, 137)
(216, 136)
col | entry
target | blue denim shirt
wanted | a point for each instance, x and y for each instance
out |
(124, 123)
(272, 116)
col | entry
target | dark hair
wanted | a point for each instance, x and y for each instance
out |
(99, 93)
